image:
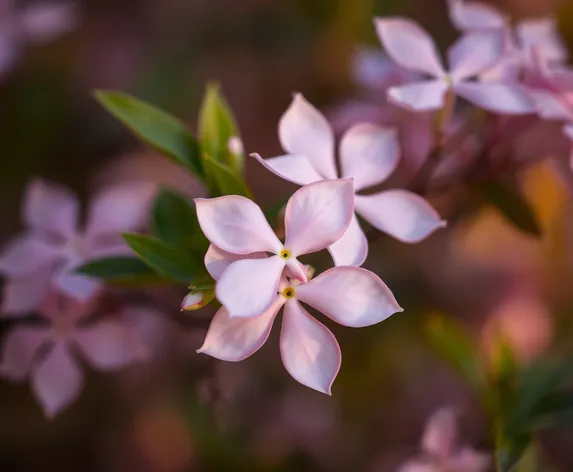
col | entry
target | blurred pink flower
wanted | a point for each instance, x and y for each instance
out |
(316, 216)
(45, 353)
(54, 245)
(36, 23)
(441, 453)
(351, 296)
(368, 155)
(411, 47)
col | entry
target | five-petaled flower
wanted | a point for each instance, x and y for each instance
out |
(474, 53)
(351, 296)
(54, 245)
(46, 353)
(316, 216)
(368, 154)
(441, 453)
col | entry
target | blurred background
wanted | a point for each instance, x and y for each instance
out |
(185, 412)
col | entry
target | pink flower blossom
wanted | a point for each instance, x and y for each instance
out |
(440, 451)
(54, 245)
(46, 353)
(411, 47)
(316, 216)
(368, 154)
(36, 23)
(351, 296)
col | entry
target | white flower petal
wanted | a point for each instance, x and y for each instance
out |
(474, 53)
(497, 98)
(309, 351)
(542, 35)
(440, 434)
(292, 167)
(352, 248)
(409, 45)
(56, 380)
(22, 296)
(19, 349)
(236, 224)
(248, 287)
(351, 296)
(369, 154)
(399, 213)
(26, 254)
(235, 339)
(420, 96)
(109, 345)
(304, 131)
(473, 16)
(217, 260)
(317, 215)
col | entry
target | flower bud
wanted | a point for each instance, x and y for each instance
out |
(195, 300)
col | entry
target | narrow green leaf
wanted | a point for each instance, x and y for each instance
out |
(226, 181)
(507, 198)
(554, 409)
(174, 220)
(457, 348)
(123, 270)
(509, 451)
(158, 129)
(217, 126)
(170, 261)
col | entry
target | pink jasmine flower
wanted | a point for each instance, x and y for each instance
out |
(440, 451)
(316, 216)
(36, 23)
(46, 354)
(54, 244)
(412, 47)
(351, 296)
(368, 154)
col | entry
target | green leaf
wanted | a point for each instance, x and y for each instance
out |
(216, 126)
(175, 263)
(507, 198)
(158, 129)
(554, 409)
(122, 270)
(226, 181)
(174, 220)
(509, 451)
(457, 348)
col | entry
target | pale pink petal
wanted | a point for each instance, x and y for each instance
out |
(236, 224)
(419, 466)
(505, 71)
(474, 53)
(309, 351)
(468, 460)
(235, 339)
(292, 167)
(304, 131)
(26, 254)
(119, 210)
(77, 286)
(248, 287)
(20, 348)
(22, 296)
(351, 296)
(409, 45)
(50, 208)
(369, 154)
(472, 16)
(352, 248)
(420, 96)
(399, 213)
(109, 345)
(317, 215)
(543, 35)
(550, 106)
(9, 52)
(56, 380)
(568, 130)
(44, 22)
(217, 260)
(440, 434)
(497, 98)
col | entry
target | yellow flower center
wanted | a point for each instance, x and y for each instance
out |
(285, 254)
(288, 292)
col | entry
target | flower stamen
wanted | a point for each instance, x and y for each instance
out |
(285, 254)
(288, 292)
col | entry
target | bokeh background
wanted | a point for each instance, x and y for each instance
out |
(185, 412)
